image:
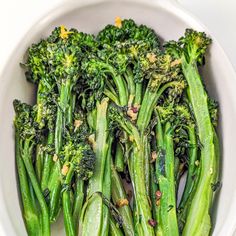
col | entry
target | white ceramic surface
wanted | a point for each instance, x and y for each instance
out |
(169, 21)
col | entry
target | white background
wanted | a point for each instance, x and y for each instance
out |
(16, 17)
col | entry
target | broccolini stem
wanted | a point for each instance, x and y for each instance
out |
(55, 183)
(148, 103)
(29, 209)
(107, 189)
(147, 165)
(111, 96)
(191, 179)
(93, 216)
(61, 113)
(143, 206)
(39, 162)
(120, 85)
(66, 203)
(165, 175)
(118, 194)
(54, 186)
(198, 219)
(78, 202)
(130, 82)
(138, 93)
(153, 192)
(113, 229)
(119, 158)
(160, 146)
(69, 113)
(26, 156)
(48, 162)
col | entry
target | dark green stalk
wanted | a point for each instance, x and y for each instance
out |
(107, 189)
(39, 161)
(26, 156)
(216, 183)
(113, 229)
(54, 186)
(143, 209)
(154, 189)
(65, 93)
(149, 102)
(70, 110)
(111, 96)
(119, 158)
(160, 146)
(93, 216)
(120, 84)
(29, 209)
(48, 163)
(130, 82)
(118, 193)
(183, 212)
(191, 179)
(55, 182)
(78, 203)
(138, 93)
(166, 180)
(147, 165)
(66, 202)
(198, 220)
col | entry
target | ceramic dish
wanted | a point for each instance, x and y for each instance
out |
(169, 20)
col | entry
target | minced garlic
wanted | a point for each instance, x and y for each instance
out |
(122, 202)
(118, 22)
(64, 33)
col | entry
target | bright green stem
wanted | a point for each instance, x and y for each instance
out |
(137, 226)
(183, 212)
(147, 167)
(118, 193)
(138, 93)
(146, 110)
(153, 192)
(107, 189)
(165, 175)
(54, 186)
(26, 156)
(198, 219)
(217, 166)
(93, 216)
(143, 209)
(160, 147)
(119, 158)
(91, 119)
(191, 180)
(39, 162)
(111, 96)
(29, 209)
(114, 230)
(65, 93)
(66, 203)
(120, 84)
(70, 110)
(55, 182)
(130, 81)
(48, 163)
(149, 102)
(78, 203)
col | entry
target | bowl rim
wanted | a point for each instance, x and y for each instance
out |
(171, 6)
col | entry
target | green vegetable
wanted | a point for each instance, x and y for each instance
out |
(117, 112)
(190, 50)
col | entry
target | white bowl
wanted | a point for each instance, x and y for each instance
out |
(169, 21)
